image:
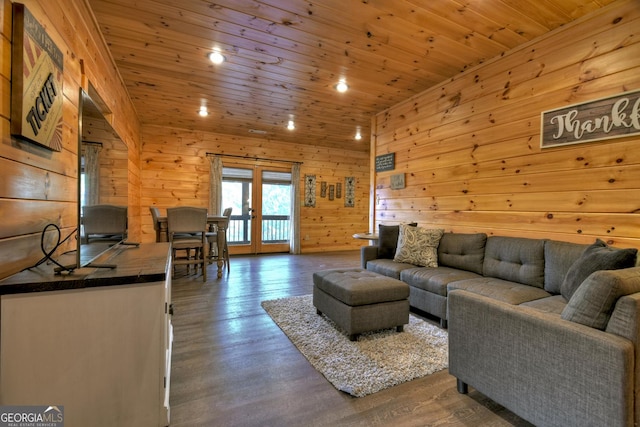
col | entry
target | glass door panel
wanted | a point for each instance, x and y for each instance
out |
(261, 200)
(275, 210)
(237, 193)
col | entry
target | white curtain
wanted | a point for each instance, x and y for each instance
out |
(294, 241)
(215, 185)
(91, 174)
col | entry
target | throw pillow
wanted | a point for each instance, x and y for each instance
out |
(596, 257)
(418, 246)
(594, 300)
(388, 240)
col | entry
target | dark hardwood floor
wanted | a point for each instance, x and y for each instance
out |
(232, 366)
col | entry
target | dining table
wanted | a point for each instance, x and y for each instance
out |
(218, 223)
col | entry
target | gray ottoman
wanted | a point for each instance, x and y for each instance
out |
(359, 301)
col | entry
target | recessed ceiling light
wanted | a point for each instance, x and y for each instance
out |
(216, 57)
(342, 86)
(203, 111)
(358, 136)
(291, 125)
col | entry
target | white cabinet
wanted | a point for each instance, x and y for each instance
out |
(102, 352)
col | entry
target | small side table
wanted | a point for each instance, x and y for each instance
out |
(371, 237)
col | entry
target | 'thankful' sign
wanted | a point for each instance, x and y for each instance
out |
(613, 117)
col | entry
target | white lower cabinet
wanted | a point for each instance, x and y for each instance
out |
(103, 353)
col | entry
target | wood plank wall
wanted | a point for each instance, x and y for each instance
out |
(470, 150)
(175, 172)
(37, 186)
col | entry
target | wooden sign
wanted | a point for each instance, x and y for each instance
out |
(36, 79)
(386, 162)
(613, 117)
(397, 181)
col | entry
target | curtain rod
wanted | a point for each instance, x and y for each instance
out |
(92, 143)
(253, 158)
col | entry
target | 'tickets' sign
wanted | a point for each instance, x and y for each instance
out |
(36, 79)
(613, 117)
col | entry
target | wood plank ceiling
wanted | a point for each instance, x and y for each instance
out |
(284, 57)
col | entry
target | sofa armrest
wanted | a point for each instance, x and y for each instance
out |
(368, 253)
(545, 369)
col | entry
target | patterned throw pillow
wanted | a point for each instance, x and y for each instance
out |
(418, 245)
(388, 239)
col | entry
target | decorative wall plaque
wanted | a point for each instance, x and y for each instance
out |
(338, 190)
(332, 192)
(613, 117)
(397, 181)
(310, 190)
(386, 162)
(36, 82)
(349, 191)
(323, 189)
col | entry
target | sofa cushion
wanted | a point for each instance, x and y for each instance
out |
(593, 302)
(554, 304)
(418, 245)
(434, 280)
(501, 290)
(558, 258)
(388, 240)
(515, 259)
(598, 256)
(462, 251)
(388, 267)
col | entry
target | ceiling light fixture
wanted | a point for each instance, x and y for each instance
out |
(291, 124)
(342, 86)
(216, 57)
(358, 136)
(203, 111)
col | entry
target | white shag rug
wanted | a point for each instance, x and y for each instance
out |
(377, 360)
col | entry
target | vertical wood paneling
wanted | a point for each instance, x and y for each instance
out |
(470, 146)
(175, 171)
(38, 186)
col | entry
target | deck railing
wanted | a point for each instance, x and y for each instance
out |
(275, 229)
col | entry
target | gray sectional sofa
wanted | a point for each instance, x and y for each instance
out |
(548, 329)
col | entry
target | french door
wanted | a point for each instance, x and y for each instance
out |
(260, 196)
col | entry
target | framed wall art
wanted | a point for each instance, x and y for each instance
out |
(397, 181)
(349, 191)
(385, 162)
(310, 190)
(36, 82)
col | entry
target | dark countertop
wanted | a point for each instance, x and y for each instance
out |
(134, 264)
